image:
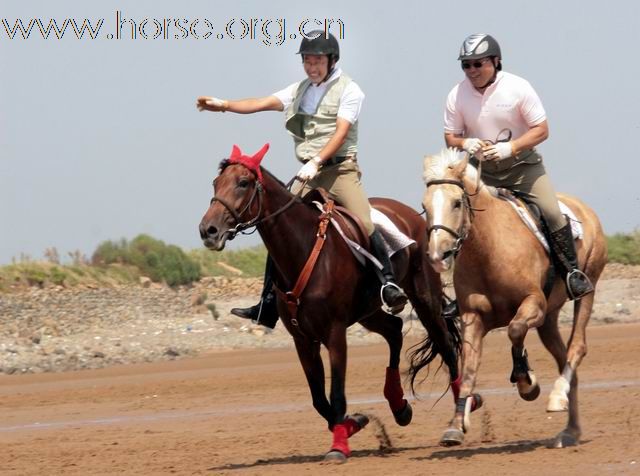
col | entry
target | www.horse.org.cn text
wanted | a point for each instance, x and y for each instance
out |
(268, 31)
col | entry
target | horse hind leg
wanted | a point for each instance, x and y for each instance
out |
(565, 389)
(390, 327)
(530, 314)
(552, 340)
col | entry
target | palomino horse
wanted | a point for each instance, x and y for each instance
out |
(499, 279)
(339, 291)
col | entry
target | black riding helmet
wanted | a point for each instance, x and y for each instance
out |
(317, 43)
(478, 46)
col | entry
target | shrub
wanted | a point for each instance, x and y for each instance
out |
(154, 258)
(249, 261)
(624, 248)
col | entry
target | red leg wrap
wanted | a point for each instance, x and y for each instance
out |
(455, 388)
(340, 439)
(393, 390)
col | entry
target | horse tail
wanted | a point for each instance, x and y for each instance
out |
(449, 348)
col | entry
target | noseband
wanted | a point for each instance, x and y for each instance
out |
(240, 225)
(461, 234)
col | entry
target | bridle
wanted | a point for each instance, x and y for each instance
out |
(257, 194)
(462, 232)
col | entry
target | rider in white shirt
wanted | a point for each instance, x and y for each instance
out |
(321, 114)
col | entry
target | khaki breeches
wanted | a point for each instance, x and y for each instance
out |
(342, 182)
(527, 177)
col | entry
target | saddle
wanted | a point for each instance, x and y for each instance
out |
(531, 215)
(348, 222)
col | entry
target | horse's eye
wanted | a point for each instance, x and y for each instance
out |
(457, 204)
(243, 183)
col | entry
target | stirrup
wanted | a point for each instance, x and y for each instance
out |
(583, 279)
(386, 307)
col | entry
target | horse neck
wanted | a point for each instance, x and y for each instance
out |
(289, 236)
(485, 206)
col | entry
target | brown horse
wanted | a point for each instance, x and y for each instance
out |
(339, 292)
(500, 277)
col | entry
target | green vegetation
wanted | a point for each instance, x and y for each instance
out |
(124, 262)
(44, 273)
(248, 262)
(624, 248)
(154, 258)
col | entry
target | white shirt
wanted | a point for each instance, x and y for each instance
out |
(509, 103)
(350, 101)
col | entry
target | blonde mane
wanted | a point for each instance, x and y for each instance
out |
(435, 167)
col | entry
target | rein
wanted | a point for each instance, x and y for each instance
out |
(255, 221)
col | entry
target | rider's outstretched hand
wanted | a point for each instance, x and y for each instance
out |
(209, 103)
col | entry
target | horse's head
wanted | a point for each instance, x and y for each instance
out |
(237, 200)
(446, 203)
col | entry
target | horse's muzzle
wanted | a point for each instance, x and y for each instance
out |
(212, 238)
(440, 263)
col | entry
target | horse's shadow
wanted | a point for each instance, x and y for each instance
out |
(302, 459)
(513, 447)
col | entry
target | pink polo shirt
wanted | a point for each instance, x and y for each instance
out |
(510, 102)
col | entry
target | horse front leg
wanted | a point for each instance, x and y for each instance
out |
(466, 401)
(530, 314)
(390, 327)
(309, 355)
(337, 346)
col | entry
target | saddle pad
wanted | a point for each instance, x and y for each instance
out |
(394, 239)
(576, 225)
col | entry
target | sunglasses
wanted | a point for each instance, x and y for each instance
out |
(475, 64)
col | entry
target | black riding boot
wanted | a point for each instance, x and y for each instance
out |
(392, 296)
(564, 251)
(266, 311)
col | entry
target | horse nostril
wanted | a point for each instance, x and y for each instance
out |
(203, 232)
(212, 230)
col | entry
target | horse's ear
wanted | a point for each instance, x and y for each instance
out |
(236, 153)
(461, 166)
(258, 156)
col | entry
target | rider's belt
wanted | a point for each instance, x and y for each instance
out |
(338, 159)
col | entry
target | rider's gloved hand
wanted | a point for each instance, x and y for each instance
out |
(310, 169)
(498, 151)
(472, 145)
(209, 103)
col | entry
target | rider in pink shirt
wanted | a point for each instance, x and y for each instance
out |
(479, 110)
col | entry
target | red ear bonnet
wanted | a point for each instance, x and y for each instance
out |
(252, 163)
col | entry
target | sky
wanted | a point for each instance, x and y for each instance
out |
(100, 138)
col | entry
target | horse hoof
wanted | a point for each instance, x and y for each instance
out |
(403, 417)
(564, 439)
(557, 404)
(452, 437)
(529, 391)
(335, 456)
(355, 423)
(533, 393)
